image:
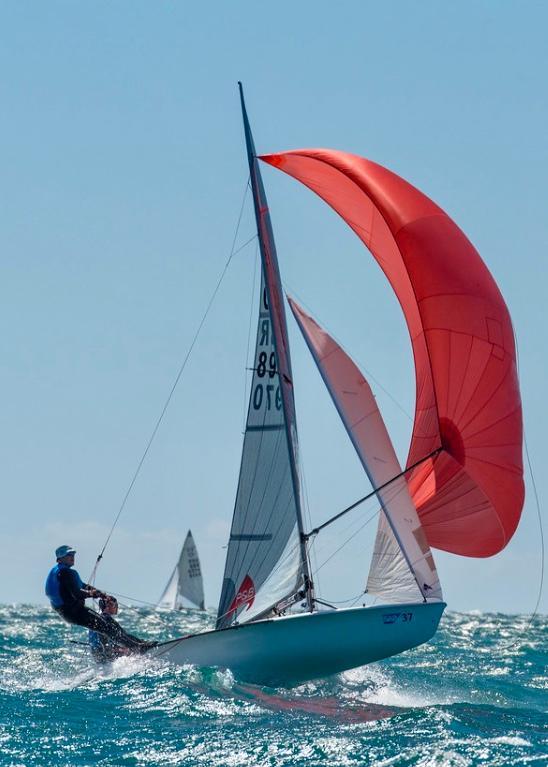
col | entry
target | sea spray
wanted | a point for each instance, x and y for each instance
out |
(474, 695)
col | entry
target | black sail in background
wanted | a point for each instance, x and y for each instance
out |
(266, 560)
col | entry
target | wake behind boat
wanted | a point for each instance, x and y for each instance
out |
(461, 489)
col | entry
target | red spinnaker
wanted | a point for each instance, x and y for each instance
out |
(469, 498)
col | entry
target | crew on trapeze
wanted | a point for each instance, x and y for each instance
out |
(67, 594)
(102, 647)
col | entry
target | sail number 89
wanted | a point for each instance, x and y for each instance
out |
(261, 367)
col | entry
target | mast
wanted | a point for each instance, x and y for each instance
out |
(274, 293)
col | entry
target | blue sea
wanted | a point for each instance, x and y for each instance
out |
(475, 695)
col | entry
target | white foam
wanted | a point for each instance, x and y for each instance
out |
(511, 740)
(382, 689)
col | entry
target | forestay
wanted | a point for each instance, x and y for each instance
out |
(402, 568)
(186, 582)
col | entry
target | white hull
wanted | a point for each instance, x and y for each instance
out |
(291, 650)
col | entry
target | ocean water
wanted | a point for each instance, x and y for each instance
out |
(475, 695)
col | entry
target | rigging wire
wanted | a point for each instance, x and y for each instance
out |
(177, 379)
(311, 544)
(392, 493)
(322, 548)
(375, 491)
(345, 601)
(132, 599)
(539, 515)
(537, 503)
(353, 535)
(247, 363)
(541, 582)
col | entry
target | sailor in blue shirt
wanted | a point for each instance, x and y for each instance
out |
(67, 594)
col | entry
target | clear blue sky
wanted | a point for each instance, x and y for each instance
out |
(122, 174)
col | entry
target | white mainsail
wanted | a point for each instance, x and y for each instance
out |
(186, 582)
(403, 566)
(266, 561)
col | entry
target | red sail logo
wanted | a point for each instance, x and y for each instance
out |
(244, 596)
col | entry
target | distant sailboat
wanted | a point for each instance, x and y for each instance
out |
(186, 584)
(462, 486)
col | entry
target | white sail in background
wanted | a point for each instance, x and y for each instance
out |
(186, 582)
(403, 566)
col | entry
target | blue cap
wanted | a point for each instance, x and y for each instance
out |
(62, 551)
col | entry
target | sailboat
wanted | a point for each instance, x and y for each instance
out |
(461, 489)
(185, 584)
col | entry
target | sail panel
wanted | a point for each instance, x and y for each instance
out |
(168, 600)
(362, 419)
(265, 513)
(470, 496)
(282, 582)
(390, 578)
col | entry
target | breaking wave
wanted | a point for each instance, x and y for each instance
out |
(474, 695)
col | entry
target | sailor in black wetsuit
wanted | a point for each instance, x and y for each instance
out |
(67, 594)
(102, 647)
